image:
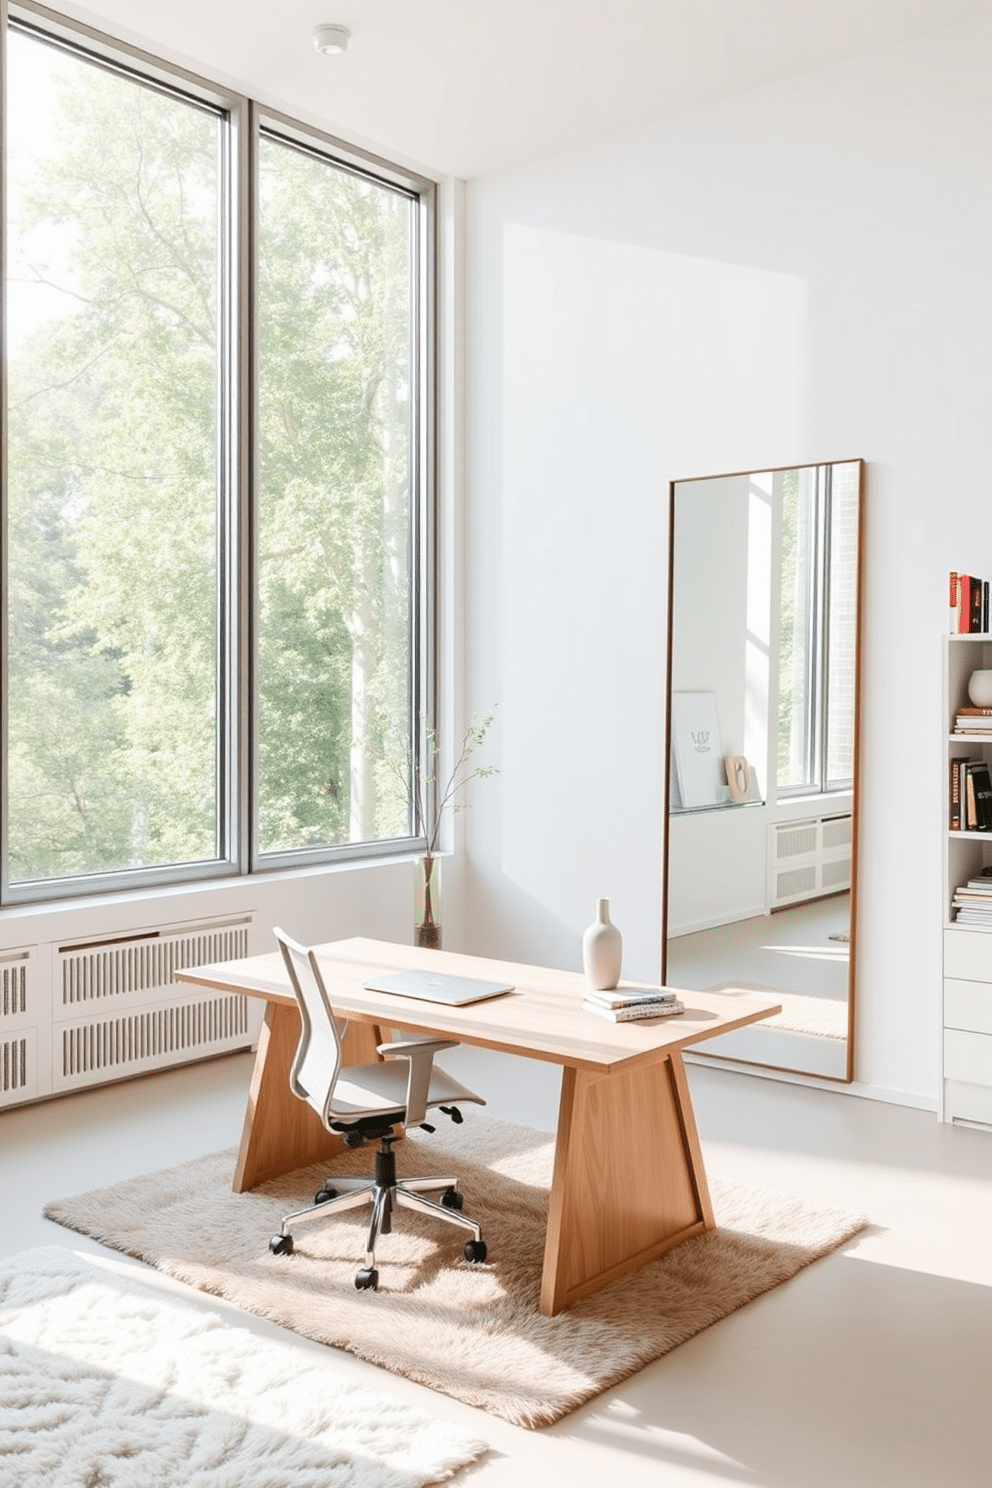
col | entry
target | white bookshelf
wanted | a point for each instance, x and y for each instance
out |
(966, 1000)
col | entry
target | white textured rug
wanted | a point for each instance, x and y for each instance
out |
(474, 1332)
(105, 1383)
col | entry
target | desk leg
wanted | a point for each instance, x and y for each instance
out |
(282, 1133)
(628, 1179)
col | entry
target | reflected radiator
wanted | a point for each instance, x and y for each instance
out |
(808, 859)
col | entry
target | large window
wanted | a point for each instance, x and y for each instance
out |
(215, 503)
(335, 461)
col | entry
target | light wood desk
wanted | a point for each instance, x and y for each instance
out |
(628, 1179)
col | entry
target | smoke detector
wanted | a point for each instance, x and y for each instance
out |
(331, 39)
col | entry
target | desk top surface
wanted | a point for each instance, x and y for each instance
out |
(542, 1018)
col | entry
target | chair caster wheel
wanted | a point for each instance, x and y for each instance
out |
(323, 1194)
(367, 1280)
(281, 1245)
(452, 1199)
(475, 1251)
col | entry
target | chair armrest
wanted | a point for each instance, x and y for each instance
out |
(419, 1053)
(402, 1046)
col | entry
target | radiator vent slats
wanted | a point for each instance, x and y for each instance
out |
(98, 973)
(13, 1066)
(795, 842)
(13, 988)
(183, 1029)
(797, 881)
(808, 858)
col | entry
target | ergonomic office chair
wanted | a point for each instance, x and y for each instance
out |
(363, 1102)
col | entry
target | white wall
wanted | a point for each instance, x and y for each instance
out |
(798, 273)
(372, 899)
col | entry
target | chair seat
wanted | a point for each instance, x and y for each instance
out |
(375, 1089)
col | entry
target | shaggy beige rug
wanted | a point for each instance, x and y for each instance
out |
(473, 1332)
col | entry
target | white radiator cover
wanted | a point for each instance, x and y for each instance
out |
(808, 859)
(18, 1028)
(87, 1012)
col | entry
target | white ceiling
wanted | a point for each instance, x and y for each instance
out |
(467, 86)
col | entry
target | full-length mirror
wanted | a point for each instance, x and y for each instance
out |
(762, 755)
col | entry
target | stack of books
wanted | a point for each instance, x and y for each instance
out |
(973, 721)
(970, 796)
(628, 1004)
(973, 902)
(969, 602)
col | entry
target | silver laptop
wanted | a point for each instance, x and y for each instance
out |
(437, 986)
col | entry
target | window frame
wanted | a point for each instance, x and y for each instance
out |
(244, 122)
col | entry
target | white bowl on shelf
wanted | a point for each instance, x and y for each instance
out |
(980, 689)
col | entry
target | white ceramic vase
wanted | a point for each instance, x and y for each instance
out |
(602, 950)
(980, 689)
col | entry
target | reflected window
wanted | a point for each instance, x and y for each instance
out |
(817, 638)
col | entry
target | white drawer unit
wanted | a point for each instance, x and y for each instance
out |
(968, 1057)
(968, 955)
(967, 1006)
(966, 1086)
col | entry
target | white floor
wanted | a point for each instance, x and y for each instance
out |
(872, 1367)
(791, 950)
(792, 953)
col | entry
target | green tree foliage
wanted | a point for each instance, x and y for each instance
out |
(334, 317)
(115, 522)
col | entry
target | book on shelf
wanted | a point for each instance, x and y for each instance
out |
(958, 820)
(975, 606)
(982, 778)
(636, 1012)
(969, 796)
(969, 604)
(977, 798)
(954, 815)
(967, 915)
(973, 721)
(618, 997)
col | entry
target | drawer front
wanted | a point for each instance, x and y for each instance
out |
(968, 955)
(968, 1005)
(971, 1103)
(968, 1057)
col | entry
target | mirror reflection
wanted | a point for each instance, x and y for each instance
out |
(760, 838)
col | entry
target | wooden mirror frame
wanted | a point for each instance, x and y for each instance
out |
(744, 1062)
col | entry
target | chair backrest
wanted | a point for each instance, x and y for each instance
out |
(318, 1054)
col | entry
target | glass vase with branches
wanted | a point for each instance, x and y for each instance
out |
(431, 798)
